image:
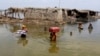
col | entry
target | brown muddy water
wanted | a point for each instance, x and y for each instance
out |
(80, 43)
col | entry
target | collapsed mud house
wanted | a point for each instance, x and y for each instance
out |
(59, 15)
(50, 14)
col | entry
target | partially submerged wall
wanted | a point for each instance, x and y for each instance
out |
(49, 14)
(57, 15)
(52, 14)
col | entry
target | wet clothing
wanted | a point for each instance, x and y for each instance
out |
(52, 36)
(22, 33)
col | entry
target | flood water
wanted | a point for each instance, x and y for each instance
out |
(80, 43)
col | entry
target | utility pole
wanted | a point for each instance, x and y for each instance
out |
(59, 3)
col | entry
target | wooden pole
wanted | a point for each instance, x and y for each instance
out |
(59, 3)
(5, 13)
(18, 15)
(0, 12)
(13, 11)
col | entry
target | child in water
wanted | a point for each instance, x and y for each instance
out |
(90, 26)
(23, 31)
(80, 26)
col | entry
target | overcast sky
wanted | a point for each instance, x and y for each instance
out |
(78, 4)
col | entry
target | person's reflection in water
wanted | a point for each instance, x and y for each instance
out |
(80, 30)
(90, 31)
(45, 28)
(71, 33)
(53, 48)
(23, 41)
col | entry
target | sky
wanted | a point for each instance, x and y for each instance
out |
(71, 4)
